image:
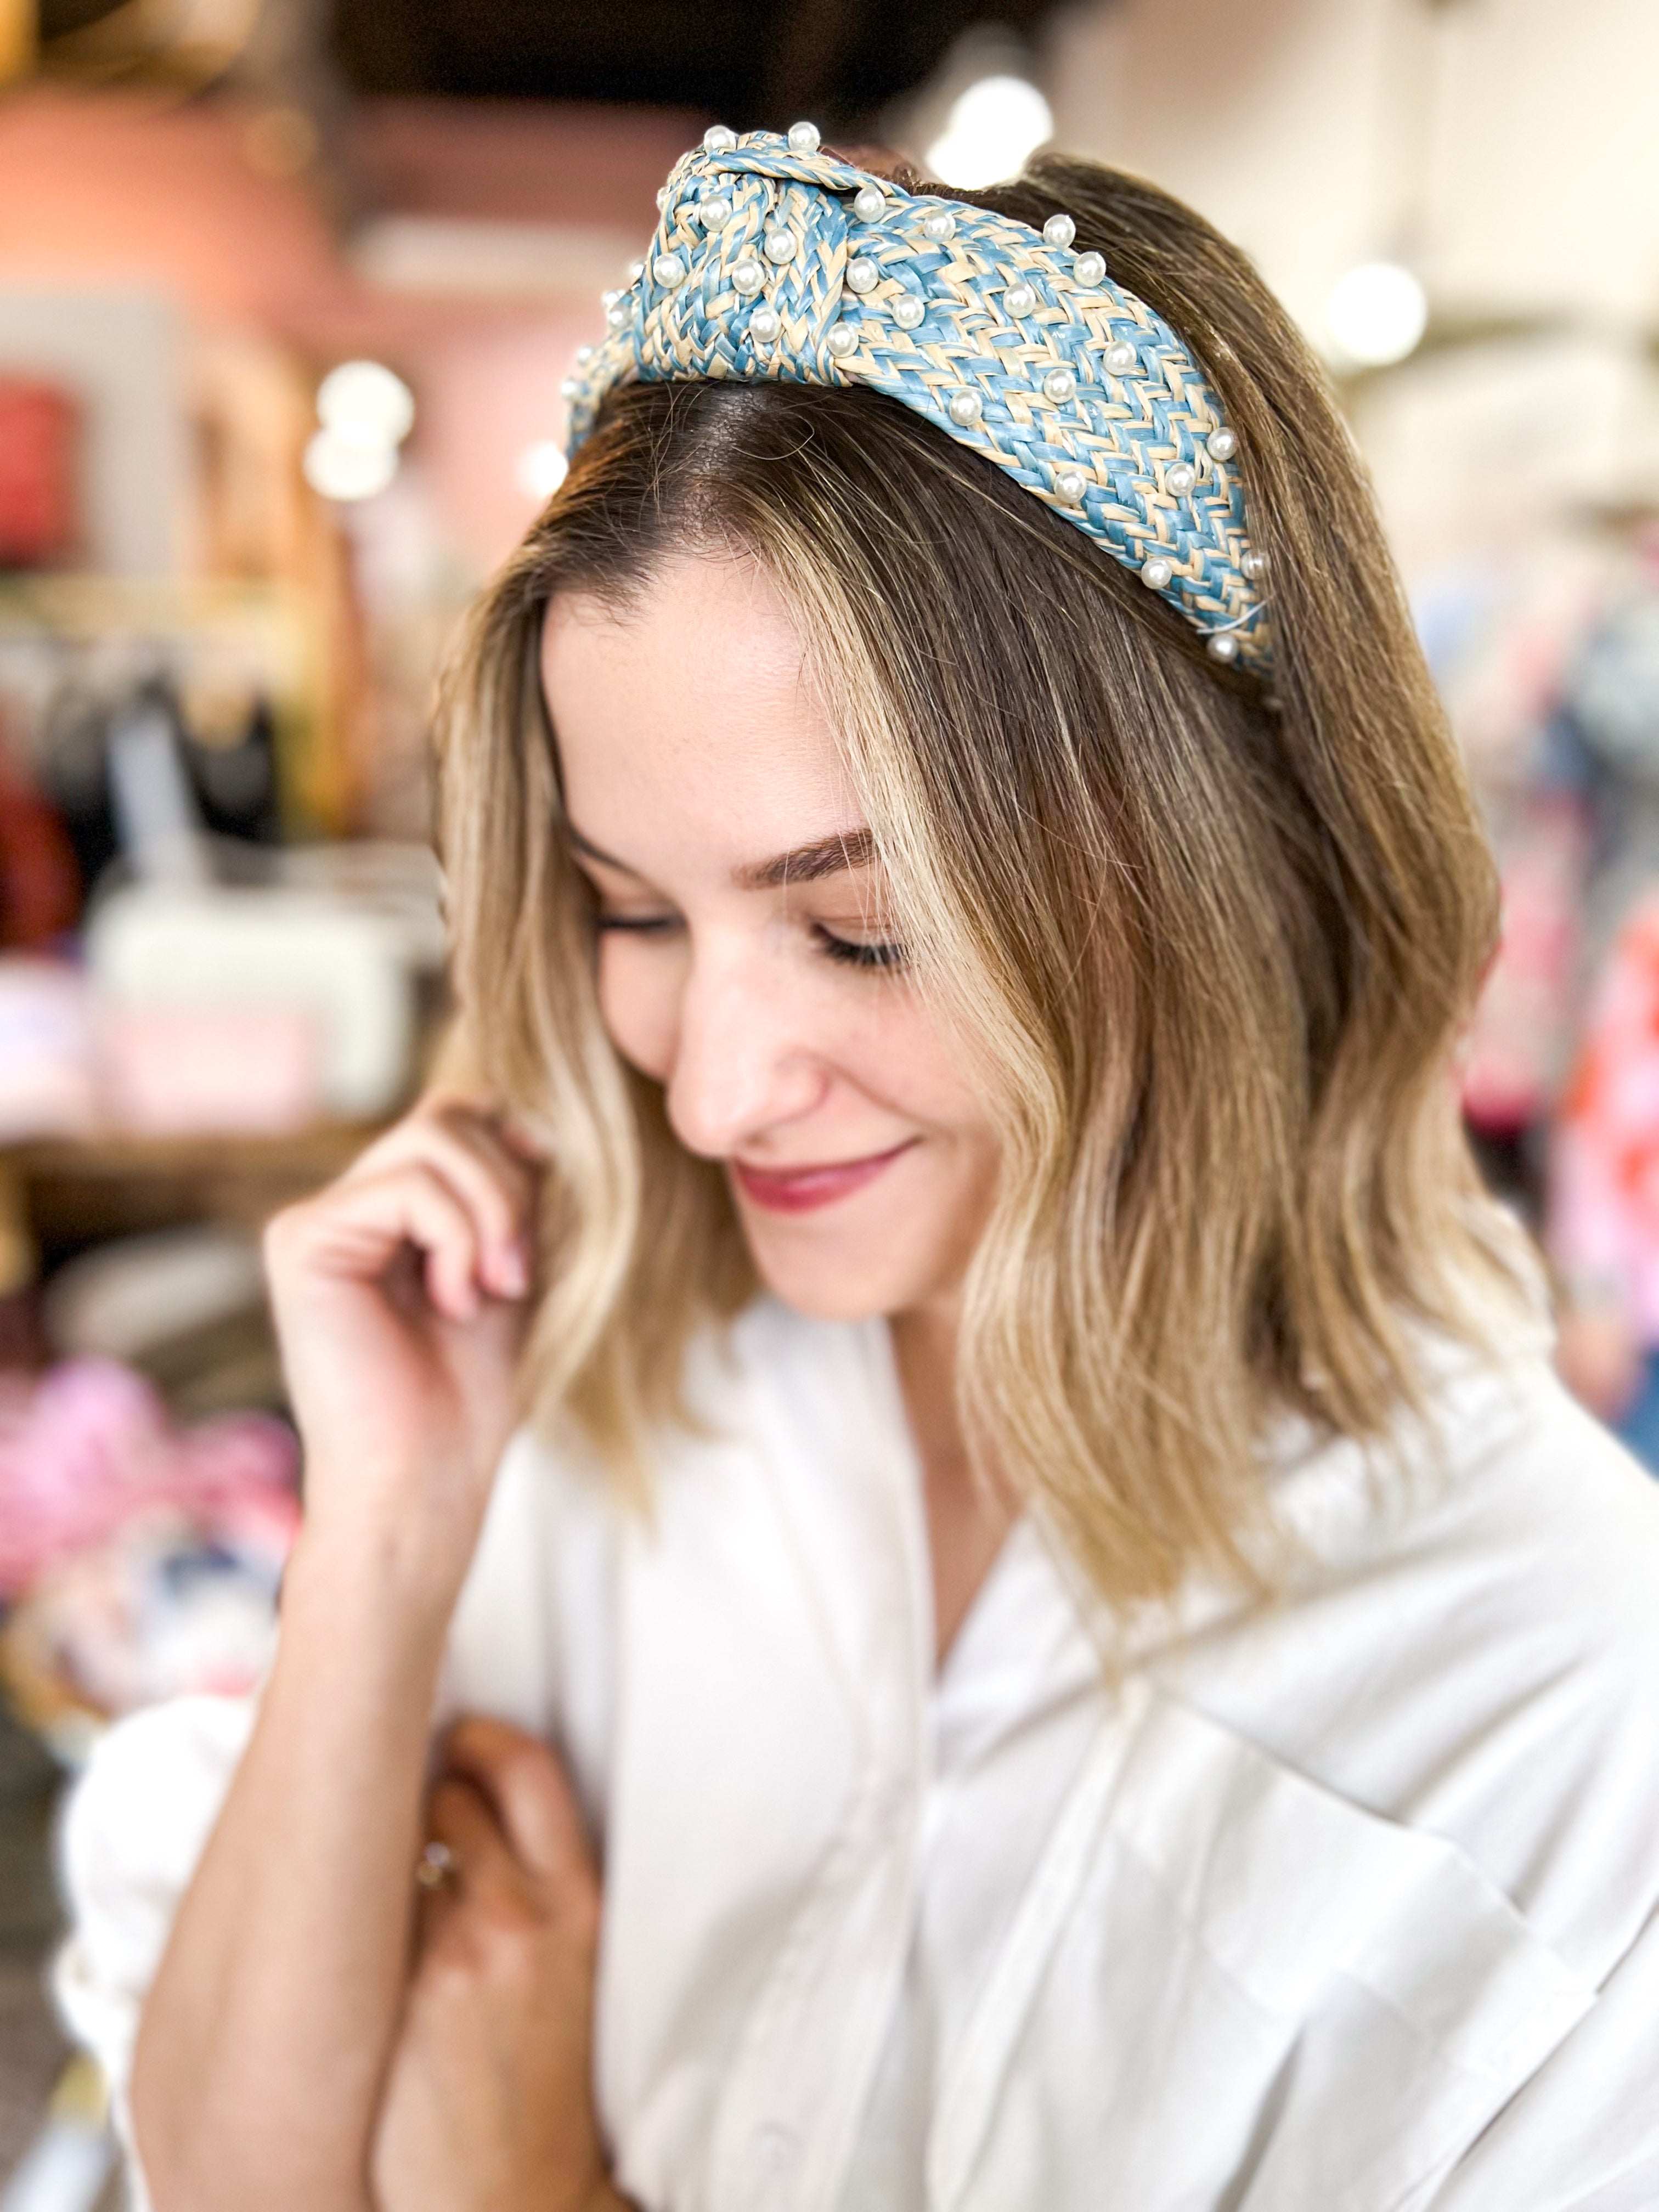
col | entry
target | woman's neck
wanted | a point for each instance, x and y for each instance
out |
(968, 1517)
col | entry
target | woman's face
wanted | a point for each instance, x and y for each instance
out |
(746, 961)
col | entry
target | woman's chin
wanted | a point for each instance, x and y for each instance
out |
(828, 1285)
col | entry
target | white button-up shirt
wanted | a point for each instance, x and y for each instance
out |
(1344, 1904)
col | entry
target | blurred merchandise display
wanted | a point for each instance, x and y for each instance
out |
(1549, 660)
(40, 487)
(138, 1560)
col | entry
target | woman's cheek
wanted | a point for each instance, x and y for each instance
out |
(639, 1003)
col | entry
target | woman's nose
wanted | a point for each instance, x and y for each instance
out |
(743, 1059)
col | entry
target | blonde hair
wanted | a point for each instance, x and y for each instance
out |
(1210, 951)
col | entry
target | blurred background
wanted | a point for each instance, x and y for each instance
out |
(287, 290)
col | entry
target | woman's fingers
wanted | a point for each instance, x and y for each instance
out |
(525, 1784)
(355, 1230)
(497, 1186)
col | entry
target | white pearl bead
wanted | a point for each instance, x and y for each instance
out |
(1058, 230)
(570, 387)
(1058, 384)
(1255, 565)
(765, 324)
(965, 408)
(615, 317)
(714, 212)
(780, 246)
(939, 226)
(804, 138)
(1120, 357)
(862, 274)
(869, 204)
(1088, 268)
(583, 353)
(747, 275)
(662, 196)
(718, 139)
(1157, 572)
(908, 311)
(1018, 300)
(668, 269)
(1179, 480)
(843, 339)
(610, 299)
(636, 271)
(1221, 444)
(1071, 484)
(1224, 645)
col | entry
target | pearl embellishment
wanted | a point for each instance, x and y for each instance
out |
(939, 226)
(804, 138)
(1018, 300)
(668, 269)
(1224, 645)
(869, 203)
(662, 196)
(779, 245)
(570, 387)
(1255, 565)
(1071, 484)
(1058, 230)
(1120, 357)
(843, 339)
(1221, 444)
(908, 311)
(714, 212)
(1157, 572)
(1088, 268)
(719, 140)
(583, 353)
(765, 324)
(1058, 384)
(965, 408)
(862, 274)
(636, 271)
(747, 276)
(1180, 480)
(616, 316)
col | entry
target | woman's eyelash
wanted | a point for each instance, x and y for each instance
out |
(855, 954)
(643, 925)
(850, 952)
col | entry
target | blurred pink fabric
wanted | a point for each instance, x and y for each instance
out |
(89, 1447)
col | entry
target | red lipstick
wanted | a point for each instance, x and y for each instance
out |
(799, 1190)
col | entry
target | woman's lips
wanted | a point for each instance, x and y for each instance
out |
(799, 1190)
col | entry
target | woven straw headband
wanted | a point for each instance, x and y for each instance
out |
(775, 262)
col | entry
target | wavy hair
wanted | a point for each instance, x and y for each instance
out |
(1209, 950)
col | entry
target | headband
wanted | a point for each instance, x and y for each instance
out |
(773, 261)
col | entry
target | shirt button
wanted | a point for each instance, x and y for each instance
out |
(775, 2148)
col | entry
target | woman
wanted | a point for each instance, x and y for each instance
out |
(1052, 1639)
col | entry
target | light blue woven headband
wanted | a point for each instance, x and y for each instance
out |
(775, 262)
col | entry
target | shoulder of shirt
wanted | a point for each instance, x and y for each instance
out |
(1468, 1644)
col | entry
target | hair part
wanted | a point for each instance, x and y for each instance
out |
(1209, 952)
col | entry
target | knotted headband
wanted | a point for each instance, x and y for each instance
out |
(773, 261)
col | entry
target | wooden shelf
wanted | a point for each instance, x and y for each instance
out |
(119, 1185)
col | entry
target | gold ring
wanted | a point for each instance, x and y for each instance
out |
(435, 1866)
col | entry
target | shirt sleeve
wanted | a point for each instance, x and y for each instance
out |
(138, 1818)
(1582, 2135)
(133, 1827)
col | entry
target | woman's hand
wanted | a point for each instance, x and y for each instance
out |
(399, 1296)
(489, 2106)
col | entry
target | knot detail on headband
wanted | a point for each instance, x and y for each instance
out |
(773, 262)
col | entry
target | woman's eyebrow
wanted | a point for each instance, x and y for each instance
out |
(802, 864)
(809, 864)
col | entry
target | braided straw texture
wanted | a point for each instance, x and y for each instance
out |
(1122, 431)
